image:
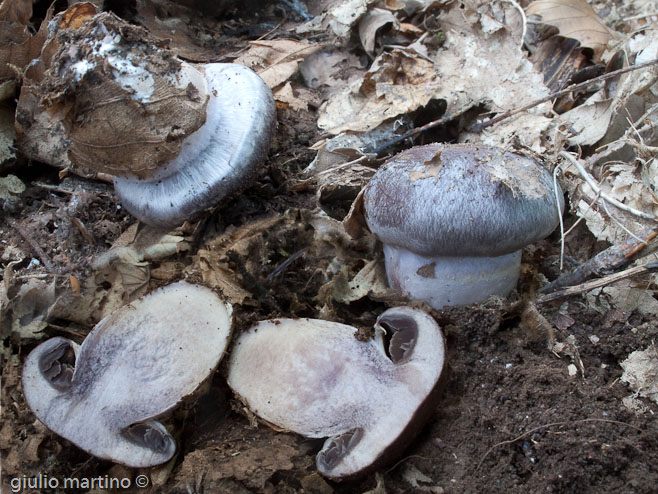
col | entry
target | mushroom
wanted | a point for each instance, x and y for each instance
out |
(217, 160)
(369, 398)
(135, 365)
(454, 218)
(176, 138)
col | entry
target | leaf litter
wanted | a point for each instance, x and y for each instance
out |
(366, 72)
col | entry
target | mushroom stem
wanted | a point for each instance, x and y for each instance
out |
(442, 281)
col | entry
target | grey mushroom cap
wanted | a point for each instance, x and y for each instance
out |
(215, 161)
(461, 200)
(135, 365)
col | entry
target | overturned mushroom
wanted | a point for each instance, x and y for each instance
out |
(177, 138)
(454, 218)
(136, 364)
(315, 378)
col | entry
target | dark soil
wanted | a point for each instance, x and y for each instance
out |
(512, 419)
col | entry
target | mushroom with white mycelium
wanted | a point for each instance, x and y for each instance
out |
(454, 218)
(315, 378)
(176, 138)
(136, 364)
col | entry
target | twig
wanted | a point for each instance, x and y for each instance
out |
(411, 133)
(524, 20)
(283, 266)
(604, 263)
(582, 217)
(556, 189)
(483, 125)
(601, 282)
(45, 260)
(545, 426)
(574, 87)
(595, 187)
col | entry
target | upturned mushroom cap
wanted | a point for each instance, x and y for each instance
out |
(135, 365)
(461, 200)
(315, 378)
(106, 96)
(215, 161)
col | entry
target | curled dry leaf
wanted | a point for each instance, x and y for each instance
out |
(136, 364)
(575, 19)
(372, 22)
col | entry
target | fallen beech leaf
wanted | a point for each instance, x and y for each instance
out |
(575, 19)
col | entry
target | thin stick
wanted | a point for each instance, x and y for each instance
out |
(411, 133)
(45, 260)
(479, 127)
(556, 189)
(524, 20)
(554, 424)
(595, 187)
(604, 263)
(557, 94)
(582, 217)
(601, 282)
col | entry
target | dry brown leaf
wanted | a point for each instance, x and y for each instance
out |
(331, 67)
(286, 95)
(16, 11)
(370, 23)
(345, 14)
(176, 28)
(276, 61)
(88, 119)
(17, 46)
(211, 264)
(471, 68)
(371, 279)
(626, 176)
(574, 19)
(397, 83)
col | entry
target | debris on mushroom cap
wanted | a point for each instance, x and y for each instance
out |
(215, 161)
(461, 200)
(315, 378)
(105, 96)
(136, 364)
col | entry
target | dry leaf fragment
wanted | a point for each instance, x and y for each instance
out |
(17, 46)
(276, 61)
(641, 372)
(575, 19)
(374, 20)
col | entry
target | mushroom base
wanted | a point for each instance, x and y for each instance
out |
(447, 281)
